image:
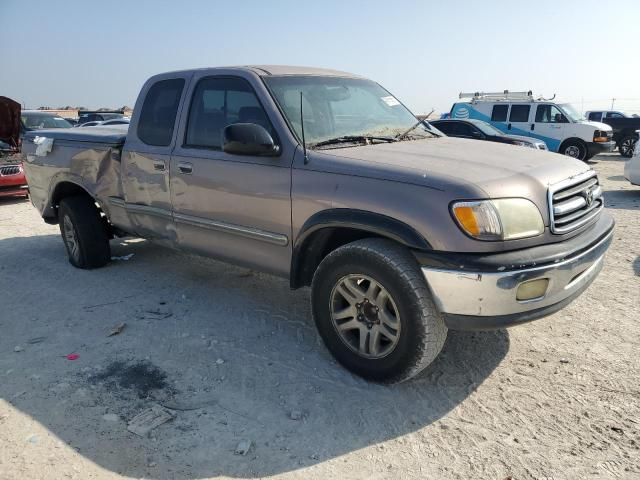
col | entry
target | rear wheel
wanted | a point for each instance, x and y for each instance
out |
(574, 149)
(626, 146)
(374, 311)
(84, 232)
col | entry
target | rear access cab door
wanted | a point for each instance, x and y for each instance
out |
(146, 207)
(233, 207)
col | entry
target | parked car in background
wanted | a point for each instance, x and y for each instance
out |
(625, 129)
(325, 178)
(479, 130)
(632, 166)
(117, 121)
(519, 113)
(86, 116)
(94, 123)
(39, 119)
(12, 180)
(72, 121)
(10, 125)
(601, 115)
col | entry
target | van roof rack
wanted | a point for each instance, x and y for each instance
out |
(504, 95)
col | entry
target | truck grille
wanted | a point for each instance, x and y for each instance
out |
(574, 203)
(10, 170)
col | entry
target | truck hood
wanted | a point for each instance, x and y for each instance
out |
(597, 125)
(497, 170)
(10, 121)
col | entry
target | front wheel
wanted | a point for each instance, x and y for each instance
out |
(626, 146)
(373, 309)
(575, 149)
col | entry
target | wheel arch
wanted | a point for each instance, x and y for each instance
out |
(569, 140)
(63, 189)
(329, 229)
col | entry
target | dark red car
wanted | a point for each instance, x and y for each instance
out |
(12, 180)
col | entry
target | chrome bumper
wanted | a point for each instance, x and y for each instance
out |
(481, 295)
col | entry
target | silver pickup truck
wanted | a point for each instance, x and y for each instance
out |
(327, 179)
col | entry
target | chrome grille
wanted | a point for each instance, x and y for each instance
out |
(10, 170)
(574, 202)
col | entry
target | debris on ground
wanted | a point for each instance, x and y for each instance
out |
(149, 419)
(72, 356)
(295, 415)
(243, 447)
(564, 360)
(33, 341)
(123, 257)
(18, 349)
(110, 417)
(219, 361)
(117, 329)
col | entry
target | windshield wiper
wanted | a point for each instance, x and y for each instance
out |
(366, 139)
(421, 122)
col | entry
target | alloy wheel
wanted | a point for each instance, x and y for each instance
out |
(365, 316)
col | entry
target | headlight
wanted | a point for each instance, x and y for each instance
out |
(502, 219)
(522, 144)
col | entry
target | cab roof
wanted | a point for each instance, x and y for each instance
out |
(278, 70)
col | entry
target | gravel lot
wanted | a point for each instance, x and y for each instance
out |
(235, 355)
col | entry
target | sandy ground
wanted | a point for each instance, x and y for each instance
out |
(235, 355)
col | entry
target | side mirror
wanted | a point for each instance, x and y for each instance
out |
(248, 139)
(476, 134)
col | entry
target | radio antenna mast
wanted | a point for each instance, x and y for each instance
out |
(304, 143)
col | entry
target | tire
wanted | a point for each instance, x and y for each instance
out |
(84, 233)
(574, 149)
(626, 146)
(419, 329)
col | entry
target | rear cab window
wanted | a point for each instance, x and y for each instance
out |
(159, 110)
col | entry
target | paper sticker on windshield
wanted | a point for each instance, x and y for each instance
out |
(390, 100)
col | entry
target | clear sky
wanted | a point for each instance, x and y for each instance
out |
(96, 54)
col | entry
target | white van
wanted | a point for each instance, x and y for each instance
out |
(519, 113)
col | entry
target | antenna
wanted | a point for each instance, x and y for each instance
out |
(304, 143)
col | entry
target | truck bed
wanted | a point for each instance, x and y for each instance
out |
(113, 136)
(88, 157)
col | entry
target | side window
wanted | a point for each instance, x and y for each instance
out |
(519, 113)
(499, 113)
(445, 127)
(595, 116)
(218, 102)
(464, 130)
(549, 114)
(158, 114)
(614, 115)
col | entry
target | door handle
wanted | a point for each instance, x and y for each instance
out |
(185, 167)
(533, 126)
(159, 166)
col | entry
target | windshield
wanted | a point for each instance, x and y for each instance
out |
(341, 107)
(44, 121)
(488, 129)
(570, 112)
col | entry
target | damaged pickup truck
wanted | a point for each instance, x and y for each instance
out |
(327, 179)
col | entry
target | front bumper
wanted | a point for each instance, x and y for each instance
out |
(481, 293)
(600, 147)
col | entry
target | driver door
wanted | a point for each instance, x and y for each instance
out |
(233, 207)
(549, 125)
